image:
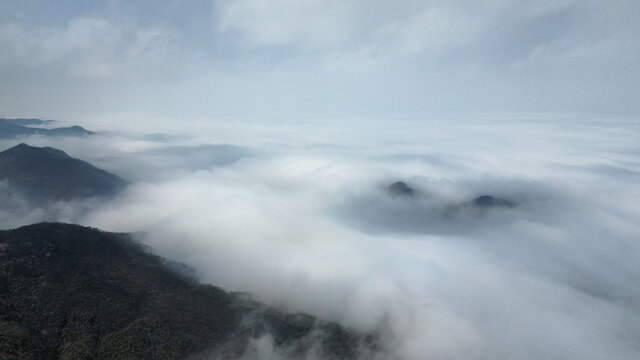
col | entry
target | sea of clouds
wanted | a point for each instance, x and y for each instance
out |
(299, 214)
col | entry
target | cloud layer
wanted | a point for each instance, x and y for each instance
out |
(303, 219)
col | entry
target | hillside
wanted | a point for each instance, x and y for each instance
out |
(71, 292)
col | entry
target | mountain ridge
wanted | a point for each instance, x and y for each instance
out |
(12, 128)
(48, 174)
(72, 292)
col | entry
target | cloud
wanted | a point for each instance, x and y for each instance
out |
(314, 25)
(88, 48)
(201, 156)
(312, 58)
(307, 224)
(16, 210)
(511, 30)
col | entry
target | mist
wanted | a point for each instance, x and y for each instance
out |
(302, 218)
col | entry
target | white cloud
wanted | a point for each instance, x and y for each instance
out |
(378, 27)
(553, 278)
(321, 58)
(387, 29)
(88, 48)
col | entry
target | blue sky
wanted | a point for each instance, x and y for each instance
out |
(311, 58)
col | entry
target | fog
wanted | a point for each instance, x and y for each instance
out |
(301, 217)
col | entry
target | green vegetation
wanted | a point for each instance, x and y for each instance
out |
(70, 292)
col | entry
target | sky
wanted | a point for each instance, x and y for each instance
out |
(309, 58)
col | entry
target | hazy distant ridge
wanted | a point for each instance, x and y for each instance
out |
(11, 128)
(46, 174)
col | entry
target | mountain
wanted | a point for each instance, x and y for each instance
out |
(488, 201)
(71, 292)
(23, 121)
(46, 174)
(401, 188)
(67, 131)
(11, 128)
(481, 202)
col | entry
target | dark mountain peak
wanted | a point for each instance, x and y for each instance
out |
(23, 150)
(401, 188)
(487, 201)
(20, 147)
(45, 174)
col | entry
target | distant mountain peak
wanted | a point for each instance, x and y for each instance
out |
(487, 201)
(23, 149)
(401, 188)
(45, 174)
(12, 128)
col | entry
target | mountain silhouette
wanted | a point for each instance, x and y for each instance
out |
(11, 128)
(401, 188)
(48, 174)
(488, 201)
